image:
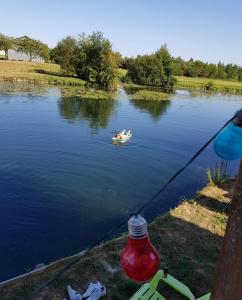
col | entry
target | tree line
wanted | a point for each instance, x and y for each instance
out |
(158, 68)
(91, 58)
(197, 68)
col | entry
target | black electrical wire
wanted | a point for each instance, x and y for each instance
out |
(142, 208)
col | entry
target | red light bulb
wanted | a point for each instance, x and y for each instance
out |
(139, 259)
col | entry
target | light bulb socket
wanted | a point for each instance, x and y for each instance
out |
(137, 226)
(238, 119)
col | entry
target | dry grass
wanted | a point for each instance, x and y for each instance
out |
(188, 238)
(22, 71)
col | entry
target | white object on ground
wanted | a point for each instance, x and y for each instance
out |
(109, 268)
(94, 291)
(73, 294)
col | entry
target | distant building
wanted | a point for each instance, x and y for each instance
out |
(14, 55)
(2, 53)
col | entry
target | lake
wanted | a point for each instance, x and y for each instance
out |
(63, 183)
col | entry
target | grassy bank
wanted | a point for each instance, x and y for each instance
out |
(26, 88)
(149, 95)
(143, 92)
(216, 85)
(201, 84)
(196, 83)
(30, 77)
(42, 73)
(46, 73)
(188, 239)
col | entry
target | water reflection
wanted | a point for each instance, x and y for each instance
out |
(156, 108)
(23, 88)
(133, 89)
(96, 112)
(58, 180)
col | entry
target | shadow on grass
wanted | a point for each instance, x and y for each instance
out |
(187, 238)
(220, 205)
(215, 205)
(41, 71)
(190, 251)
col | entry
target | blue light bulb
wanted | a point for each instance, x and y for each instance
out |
(228, 144)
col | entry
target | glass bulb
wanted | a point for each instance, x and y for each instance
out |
(139, 259)
(228, 144)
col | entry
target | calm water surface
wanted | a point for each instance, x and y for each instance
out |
(63, 183)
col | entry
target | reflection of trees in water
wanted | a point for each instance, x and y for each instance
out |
(156, 108)
(96, 112)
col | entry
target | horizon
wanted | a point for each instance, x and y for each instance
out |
(203, 31)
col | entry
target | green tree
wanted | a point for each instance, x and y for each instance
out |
(197, 68)
(95, 61)
(165, 58)
(231, 71)
(33, 48)
(221, 74)
(65, 54)
(154, 69)
(177, 66)
(117, 58)
(212, 71)
(5, 44)
(240, 74)
(53, 55)
(190, 69)
(146, 70)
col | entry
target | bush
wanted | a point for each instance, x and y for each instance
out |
(154, 70)
(209, 86)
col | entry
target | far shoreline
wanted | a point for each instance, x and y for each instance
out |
(51, 75)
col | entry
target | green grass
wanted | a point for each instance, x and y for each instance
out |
(145, 92)
(47, 73)
(197, 83)
(223, 86)
(188, 239)
(149, 95)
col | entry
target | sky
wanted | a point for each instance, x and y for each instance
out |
(209, 30)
